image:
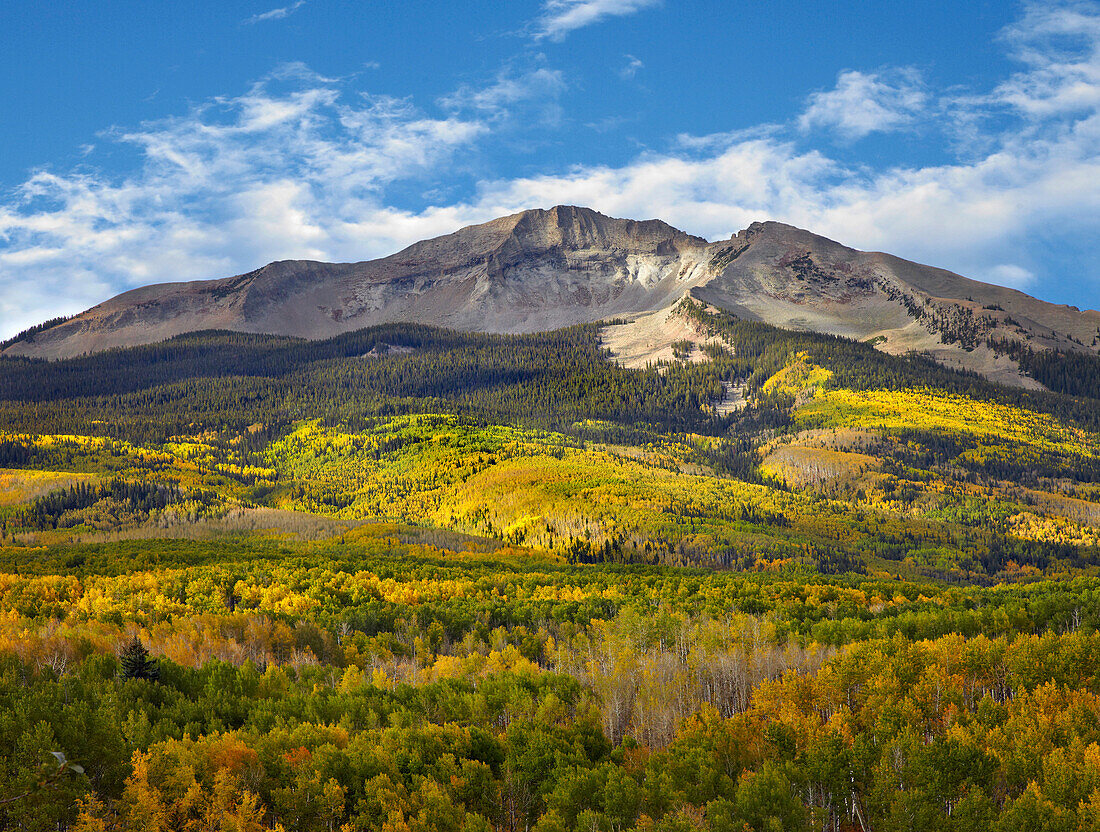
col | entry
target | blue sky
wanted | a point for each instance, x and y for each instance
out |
(144, 141)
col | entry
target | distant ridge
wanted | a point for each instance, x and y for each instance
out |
(545, 269)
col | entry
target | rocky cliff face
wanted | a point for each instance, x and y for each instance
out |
(544, 269)
(794, 279)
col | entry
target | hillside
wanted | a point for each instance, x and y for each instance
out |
(751, 445)
(546, 269)
(528, 272)
(412, 578)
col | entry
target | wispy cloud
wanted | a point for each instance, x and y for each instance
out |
(630, 69)
(294, 167)
(560, 17)
(1007, 274)
(1059, 44)
(274, 14)
(541, 87)
(865, 103)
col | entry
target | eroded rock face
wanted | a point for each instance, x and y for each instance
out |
(544, 269)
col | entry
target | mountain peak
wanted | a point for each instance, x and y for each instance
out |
(546, 268)
(781, 232)
(579, 228)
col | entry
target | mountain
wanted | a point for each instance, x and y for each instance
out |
(545, 269)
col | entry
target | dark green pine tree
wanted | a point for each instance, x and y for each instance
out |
(136, 662)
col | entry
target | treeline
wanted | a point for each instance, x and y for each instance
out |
(135, 499)
(556, 379)
(146, 394)
(761, 350)
(29, 333)
(1075, 373)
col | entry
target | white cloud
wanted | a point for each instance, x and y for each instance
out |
(963, 217)
(863, 103)
(631, 68)
(1060, 45)
(560, 17)
(987, 215)
(274, 14)
(288, 169)
(1008, 274)
(541, 87)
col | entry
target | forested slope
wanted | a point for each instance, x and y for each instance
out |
(843, 457)
(413, 579)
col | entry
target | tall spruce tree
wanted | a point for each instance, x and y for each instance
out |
(136, 662)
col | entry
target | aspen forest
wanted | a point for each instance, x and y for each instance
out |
(415, 580)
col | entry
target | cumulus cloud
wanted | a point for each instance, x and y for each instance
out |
(987, 214)
(560, 17)
(953, 215)
(274, 14)
(865, 103)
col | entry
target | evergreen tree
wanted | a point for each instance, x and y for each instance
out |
(136, 662)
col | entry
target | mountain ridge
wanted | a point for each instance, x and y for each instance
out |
(543, 269)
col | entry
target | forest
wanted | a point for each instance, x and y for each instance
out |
(413, 579)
